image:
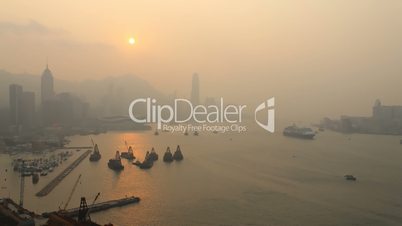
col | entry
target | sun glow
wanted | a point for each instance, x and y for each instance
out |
(131, 41)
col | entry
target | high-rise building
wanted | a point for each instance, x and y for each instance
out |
(28, 109)
(15, 104)
(195, 90)
(47, 90)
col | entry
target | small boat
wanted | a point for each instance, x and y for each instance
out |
(35, 178)
(43, 173)
(350, 177)
(95, 156)
(153, 155)
(195, 133)
(115, 163)
(215, 131)
(129, 154)
(168, 157)
(78, 150)
(185, 133)
(137, 163)
(156, 133)
(178, 156)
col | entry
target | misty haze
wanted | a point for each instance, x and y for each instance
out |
(201, 112)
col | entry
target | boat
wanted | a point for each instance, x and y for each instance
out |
(196, 133)
(137, 163)
(153, 155)
(185, 133)
(299, 132)
(168, 157)
(147, 163)
(35, 178)
(115, 163)
(350, 177)
(129, 154)
(43, 173)
(178, 156)
(156, 133)
(95, 156)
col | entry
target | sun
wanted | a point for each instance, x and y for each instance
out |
(131, 41)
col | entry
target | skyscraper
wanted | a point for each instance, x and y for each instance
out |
(47, 90)
(15, 104)
(195, 91)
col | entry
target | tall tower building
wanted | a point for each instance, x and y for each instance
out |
(195, 90)
(15, 104)
(47, 90)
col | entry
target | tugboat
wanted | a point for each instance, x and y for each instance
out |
(35, 178)
(147, 163)
(299, 132)
(95, 156)
(153, 155)
(168, 157)
(129, 154)
(115, 163)
(178, 156)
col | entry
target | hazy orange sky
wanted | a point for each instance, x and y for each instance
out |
(311, 54)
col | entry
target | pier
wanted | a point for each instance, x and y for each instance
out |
(100, 206)
(52, 184)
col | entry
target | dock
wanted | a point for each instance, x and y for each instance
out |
(52, 184)
(100, 206)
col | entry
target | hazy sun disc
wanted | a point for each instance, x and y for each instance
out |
(131, 41)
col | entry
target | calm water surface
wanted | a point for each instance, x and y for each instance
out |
(254, 178)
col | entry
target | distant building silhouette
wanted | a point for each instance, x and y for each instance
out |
(195, 91)
(384, 120)
(47, 89)
(28, 113)
(15, 104)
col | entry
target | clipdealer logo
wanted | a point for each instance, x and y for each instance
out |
(207, 116)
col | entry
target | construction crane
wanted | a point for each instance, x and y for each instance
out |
(84, 210)
(93, 203)
(72, 192)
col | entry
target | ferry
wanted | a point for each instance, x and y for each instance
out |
(299, 132)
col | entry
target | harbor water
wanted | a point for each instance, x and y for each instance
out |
(252, 178)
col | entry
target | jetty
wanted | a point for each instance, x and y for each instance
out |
(99, 206)
(52, 184)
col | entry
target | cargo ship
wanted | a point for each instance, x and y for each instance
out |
(129, 154)
(115, 163)
(95, 156)
(178, 156)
